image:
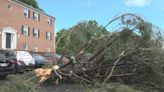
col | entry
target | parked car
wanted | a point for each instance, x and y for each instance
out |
(20, 67)
(49, 56)
(40, 60)
(56, 58)
(64, 60)
(26, 58)
(7, 62)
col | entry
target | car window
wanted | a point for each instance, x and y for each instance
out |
(12, 54)
(39, 57)
(48, 55)
(9, 54)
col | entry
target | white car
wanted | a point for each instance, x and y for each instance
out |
(26, 57)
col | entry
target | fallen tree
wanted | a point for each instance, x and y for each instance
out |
(132, 55)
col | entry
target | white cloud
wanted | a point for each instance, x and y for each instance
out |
(137, 3)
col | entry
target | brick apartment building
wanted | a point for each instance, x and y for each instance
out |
(23, 27)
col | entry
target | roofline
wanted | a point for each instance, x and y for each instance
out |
(30, 7)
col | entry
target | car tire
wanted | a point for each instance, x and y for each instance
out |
(16, 68)
(19, 70)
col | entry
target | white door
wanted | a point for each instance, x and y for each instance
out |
(9, 39)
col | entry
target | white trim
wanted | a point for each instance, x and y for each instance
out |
(26, 11)
(48, 35)
(9, 6)
(36, 32)
(25, 30)
(36, 16)
(14, 37)
(25, 47)
(49, 21)
(35, 49)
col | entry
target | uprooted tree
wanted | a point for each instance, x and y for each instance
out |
(132, 55)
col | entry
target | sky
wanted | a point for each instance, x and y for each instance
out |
(69, 12)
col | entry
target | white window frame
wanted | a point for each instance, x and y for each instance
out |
(36, 16)
(48, 35)
(9, 6)
(35, 49)
(49, 21)
(26, 12)
(25, 30)
(36, 32)
(25, 47)
(48, 49)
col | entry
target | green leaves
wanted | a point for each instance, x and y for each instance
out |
(81, 34)
(33, 3)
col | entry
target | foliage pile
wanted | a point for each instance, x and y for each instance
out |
(132, 55)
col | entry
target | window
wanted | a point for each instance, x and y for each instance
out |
(48, 35)
(35, 49)
(27, 13)
(48, 50)
(9, 7)
(25, 46)
(36, 16)
(35, 32)
(25, 30)
(49, 21)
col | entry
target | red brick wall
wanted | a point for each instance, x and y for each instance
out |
(15, 18)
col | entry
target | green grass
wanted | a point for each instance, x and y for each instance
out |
(19, 84)
(114, 87)
(15, 87)
(28, 83)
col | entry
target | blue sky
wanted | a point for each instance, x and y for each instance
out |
(70, 12)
